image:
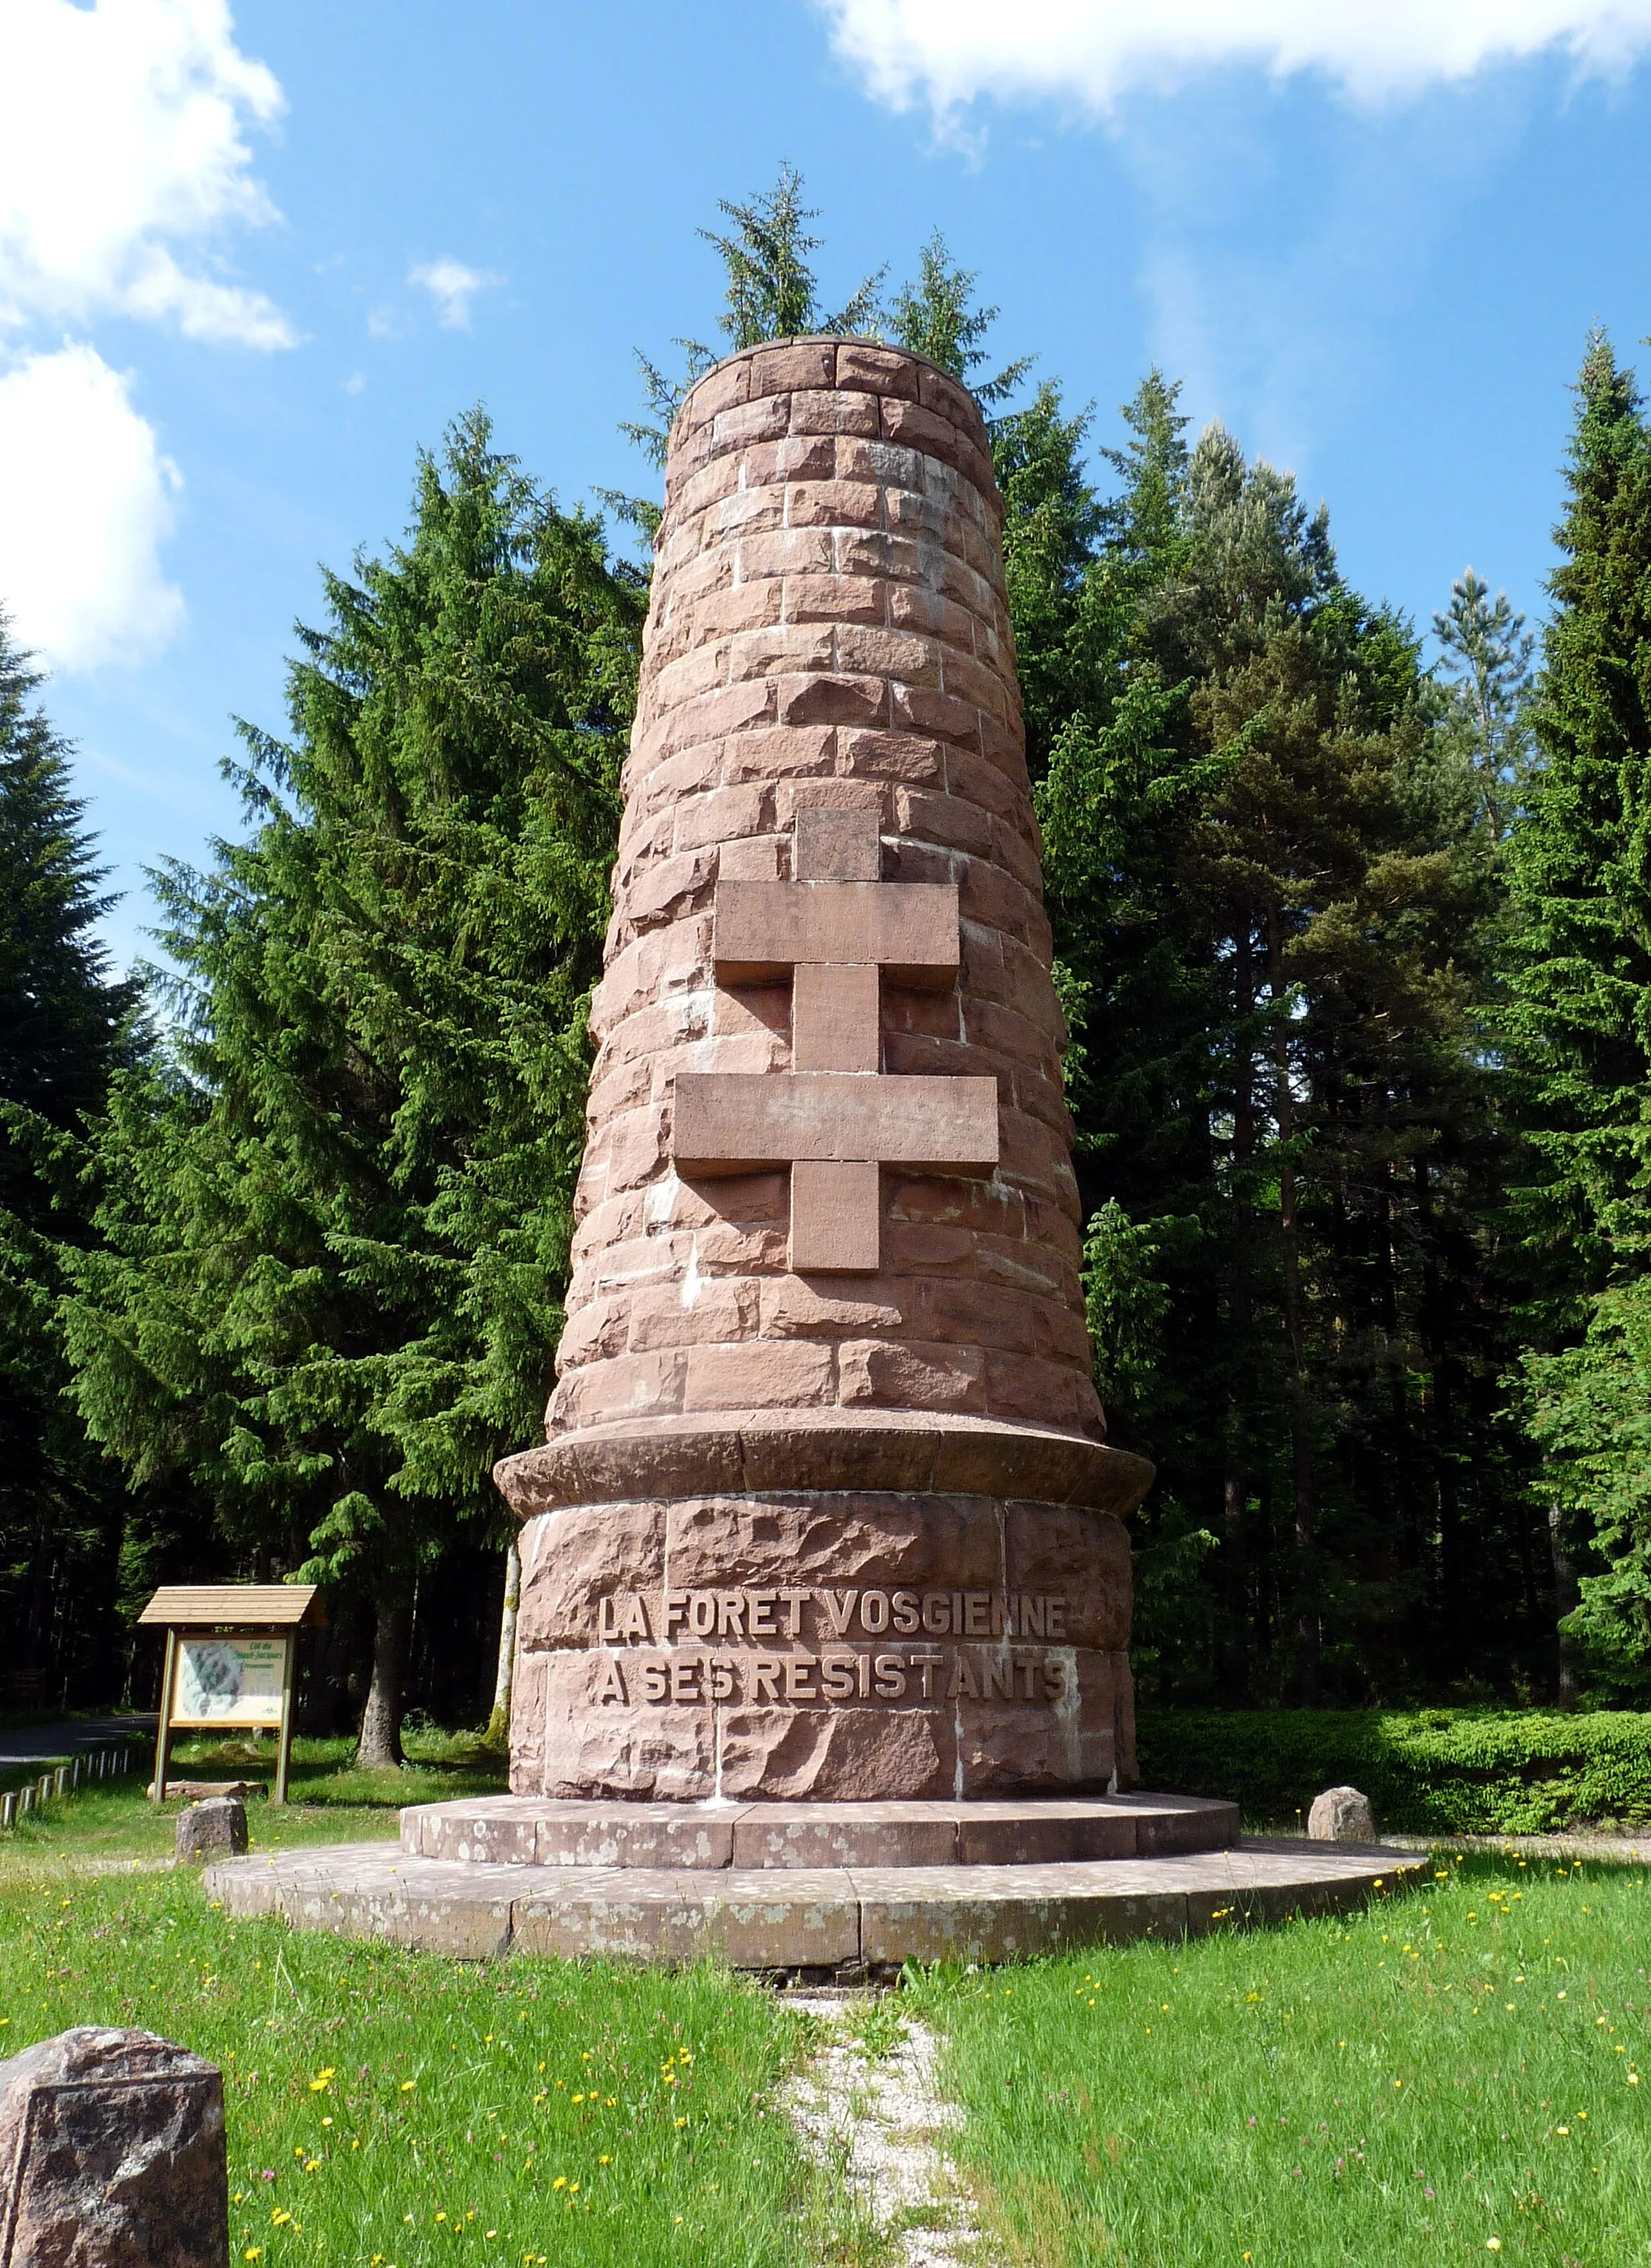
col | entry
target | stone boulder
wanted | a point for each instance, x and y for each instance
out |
(216, 1829)
(112, 2155)
(1341, 1815)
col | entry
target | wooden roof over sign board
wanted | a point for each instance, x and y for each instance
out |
(243, 1606)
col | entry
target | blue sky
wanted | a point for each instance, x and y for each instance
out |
(251, 258)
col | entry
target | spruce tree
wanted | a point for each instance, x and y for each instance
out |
(1579, 1031)
(336, 1227)
(1486, 652)
(771, 293)
(936, 316)
(1268, 904)
(65, 1027)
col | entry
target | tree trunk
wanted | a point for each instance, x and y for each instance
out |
(1566, 1600)
(1453, 1588)
(1308, 1634)
(498, 1723)
(1234, 1650)
(380, 1741)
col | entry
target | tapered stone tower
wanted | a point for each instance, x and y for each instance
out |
(823, 1642)
(825, 1507)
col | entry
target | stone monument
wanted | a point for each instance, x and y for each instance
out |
(825, 1508)
(823, 1557)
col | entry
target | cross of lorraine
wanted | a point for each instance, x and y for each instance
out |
(836, 1118)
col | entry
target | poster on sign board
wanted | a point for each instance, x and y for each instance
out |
(229, 1681)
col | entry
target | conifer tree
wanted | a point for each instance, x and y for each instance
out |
(1268, 905)
(1487, 650)
(1579, 1025)
(337, 1227)
(935, 316)
(772, 293)
(65, 1027)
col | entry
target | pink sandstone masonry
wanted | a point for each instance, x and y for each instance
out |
(825, 1508)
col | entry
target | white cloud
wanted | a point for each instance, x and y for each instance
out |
(452, 286)
(89, 500)
(948, 52)
(122, 160)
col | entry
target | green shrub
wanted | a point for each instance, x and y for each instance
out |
(1463, 1771)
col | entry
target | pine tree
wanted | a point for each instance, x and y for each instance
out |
(65, 1025)
(337, 1227)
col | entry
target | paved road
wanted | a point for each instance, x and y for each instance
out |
(41, 1743)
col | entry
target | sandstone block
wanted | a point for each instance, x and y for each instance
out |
(834, 841)
(833, 599)
(783, 552)
(574, 1558)
(938, 391)
(900, 1374)
(722, 389)
(850, 1753)
(760, 419)
(112, 2155)
(782, 647)
(831, 700)
(789, 1375)
(777, 753)
(1083, 1554)
(833, 504)
(942, 716)
(813, 411)
(854, 1542)
(877, 369)
(791, 363)
(903, 756)
(835, 1217)
(595, 1746)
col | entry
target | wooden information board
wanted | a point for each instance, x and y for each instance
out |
(231, 1655)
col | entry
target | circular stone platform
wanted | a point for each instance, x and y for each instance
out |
(820, 1890)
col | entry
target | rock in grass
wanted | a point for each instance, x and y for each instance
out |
(112, 2155)
(1341, 1815)
(214, 1829)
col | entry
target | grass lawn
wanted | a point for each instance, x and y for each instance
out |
(331, 1800)
(395, 2107)
(1451, 2076)
(1455, 2074)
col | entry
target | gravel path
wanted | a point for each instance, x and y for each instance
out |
(879, 2120)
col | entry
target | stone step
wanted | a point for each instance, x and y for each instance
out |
(826, 1921)
(522, 1830)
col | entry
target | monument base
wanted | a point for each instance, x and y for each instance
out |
(844, 1891)
(823, 1605)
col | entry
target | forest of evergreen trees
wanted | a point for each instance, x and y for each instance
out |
(1355, 951)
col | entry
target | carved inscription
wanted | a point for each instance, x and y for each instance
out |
(803, 1611)
(843, 1647)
